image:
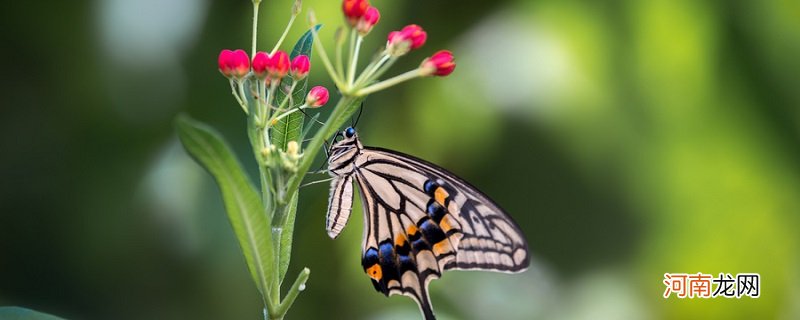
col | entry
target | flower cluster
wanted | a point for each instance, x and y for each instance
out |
(361, 18)
(267, 68)
(265, 88)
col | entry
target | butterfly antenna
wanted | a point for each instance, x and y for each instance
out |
(310, 117)
(315, 182)
(358, 117)
(327, 156)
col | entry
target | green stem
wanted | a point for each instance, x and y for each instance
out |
(270, 96)
(283, 36)
(324, 56)
(265, 278)
(370, 70)
(275, 116)
(239, 100)
(389, 82)
(351, 43)
(276, 282)
(262, 97)
(241, 90)
(288, 97)
(289, 113)
(299, 285)
(382, 69)
(339, 63)
(255, 26)
(354, 59)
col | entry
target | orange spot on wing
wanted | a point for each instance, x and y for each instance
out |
(412, 229)
(445, 224)
(440, 195)
(375, 272)
(399, 240)
(441, 247)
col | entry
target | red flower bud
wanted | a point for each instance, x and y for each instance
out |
(260, 62)
(409, 38)
(234, 64)
(354, 10)
(300, 67)
(278, 66)
(440, 64)
(369, 20)
(317, 97)
(393, 37)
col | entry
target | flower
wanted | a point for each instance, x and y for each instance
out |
(440, 64)
(260, 62)
(369, 20)
(235, 64)
(354, 10)
(409, 38)
(292, 148)
(275, 65)
(300, 67)
(317, 97)
(278, 66)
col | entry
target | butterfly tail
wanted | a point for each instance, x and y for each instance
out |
(428, 313)
(425, 307)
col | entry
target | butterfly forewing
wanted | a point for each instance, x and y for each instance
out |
(340, 205)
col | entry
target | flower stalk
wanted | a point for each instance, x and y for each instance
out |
(285, 31)
(389, 82)
(256, 4)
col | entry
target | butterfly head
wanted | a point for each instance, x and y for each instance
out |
(344, 149)
(349, 132)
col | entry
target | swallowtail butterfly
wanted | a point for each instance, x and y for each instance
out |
(419, 220)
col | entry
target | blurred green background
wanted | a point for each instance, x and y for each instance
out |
(627, 138)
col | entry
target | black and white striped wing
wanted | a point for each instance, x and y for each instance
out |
(421, 220)
(340, 205)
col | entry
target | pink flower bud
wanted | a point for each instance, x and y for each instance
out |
(369, 20)
(440, 64)
(317, 97)
(354, 10)
(300, 67)
(409, 38)
(234, 64)
(260, 62)
(278, 66)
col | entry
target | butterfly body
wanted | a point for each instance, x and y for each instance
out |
(419, 220)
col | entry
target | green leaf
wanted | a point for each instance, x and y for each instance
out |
(286, 237)
(290, 127)
(242, 202)
(19, 313)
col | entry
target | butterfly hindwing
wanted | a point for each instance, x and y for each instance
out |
(404, 249)
(490, 239)
(419, 221)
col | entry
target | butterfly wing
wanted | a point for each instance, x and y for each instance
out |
(421, 220)
(340, 205)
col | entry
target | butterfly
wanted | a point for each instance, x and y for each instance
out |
(419, 220)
